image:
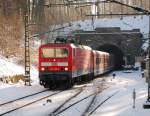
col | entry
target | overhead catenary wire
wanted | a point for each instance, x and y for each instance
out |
(136, 8)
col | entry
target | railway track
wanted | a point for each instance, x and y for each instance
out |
(4, 106)
(90, 109)
(23, 97)
(88, 113)
(62, 108)
(91, 104)
(73, 104)
(58, 109)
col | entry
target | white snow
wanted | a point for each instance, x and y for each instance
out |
(120, 104)
(127, 23)
(9, 67)
(7, 94)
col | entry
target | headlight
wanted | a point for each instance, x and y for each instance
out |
(66, 69)
(42, 69)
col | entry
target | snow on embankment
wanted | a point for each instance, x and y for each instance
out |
(8, 67)
(126, 23)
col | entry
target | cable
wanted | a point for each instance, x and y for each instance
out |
(130, 6)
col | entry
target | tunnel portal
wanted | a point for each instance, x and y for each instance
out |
(118, 54)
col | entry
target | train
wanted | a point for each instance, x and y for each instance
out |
(68, 63)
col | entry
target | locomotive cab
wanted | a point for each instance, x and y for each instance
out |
(54, 63)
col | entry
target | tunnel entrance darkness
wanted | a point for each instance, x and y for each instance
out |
(118, 54)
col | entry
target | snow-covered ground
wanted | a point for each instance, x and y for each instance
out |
(120, 104)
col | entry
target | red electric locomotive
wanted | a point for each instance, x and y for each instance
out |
(64, 63)
(59, 62)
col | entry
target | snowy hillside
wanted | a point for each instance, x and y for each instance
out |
(127, 23)
(9, 67)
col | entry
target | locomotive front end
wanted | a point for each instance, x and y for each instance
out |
(54, 64)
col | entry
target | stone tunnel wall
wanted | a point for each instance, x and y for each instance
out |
(128, 41)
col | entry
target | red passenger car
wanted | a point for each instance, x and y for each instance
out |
(103, 62)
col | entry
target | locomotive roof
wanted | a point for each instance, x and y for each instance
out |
(67, 44)
(73, 46)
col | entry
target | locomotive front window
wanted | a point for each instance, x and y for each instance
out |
(54, 52)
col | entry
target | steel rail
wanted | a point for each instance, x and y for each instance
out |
(102, 103)
(22, 98)
(30, 103)
(55, 112)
